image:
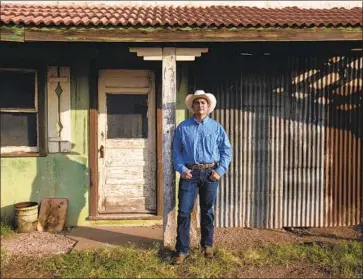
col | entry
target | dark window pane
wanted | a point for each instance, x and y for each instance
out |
(18, 129)
(17, 89)
(126, 116)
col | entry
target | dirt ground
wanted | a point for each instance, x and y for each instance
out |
(240, 238)
(244, 238)
(43, 244)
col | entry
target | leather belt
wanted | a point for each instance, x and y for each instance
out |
(201, 166)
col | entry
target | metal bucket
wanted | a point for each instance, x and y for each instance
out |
(26, 216)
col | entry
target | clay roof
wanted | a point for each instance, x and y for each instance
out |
(176, 16)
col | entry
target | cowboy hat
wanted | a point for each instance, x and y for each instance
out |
(189, 99)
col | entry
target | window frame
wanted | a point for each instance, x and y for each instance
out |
(39, 110)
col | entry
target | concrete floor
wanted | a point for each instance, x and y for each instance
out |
(106, 236)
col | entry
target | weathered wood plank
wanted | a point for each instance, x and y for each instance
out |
(93, 142)
(178, 58)
(126, 154)
(134, 192)
(121, 205)
(72, 34)
(114, 73)
(53, 113)
(191, 51)
(126, 90)
(168, 122)
(127, 163)
(59, 110)
(126, 181)
(127, 171)
(127, 82)
(155, 53)
(147, 51)
(159, 164)
(12, 34)
(151, 170)
(126, 143)
(65, 109)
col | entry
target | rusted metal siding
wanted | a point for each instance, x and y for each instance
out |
(295, 127)
(344, 139)
(250, 195)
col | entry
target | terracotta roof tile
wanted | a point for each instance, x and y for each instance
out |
(231, 16)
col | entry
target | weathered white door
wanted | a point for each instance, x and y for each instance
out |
(126, 142)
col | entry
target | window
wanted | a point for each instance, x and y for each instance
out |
(19, 112)
(127, 116)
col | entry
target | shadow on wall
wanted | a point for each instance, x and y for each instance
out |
(59, 176)
(66, 175)
(298, 136)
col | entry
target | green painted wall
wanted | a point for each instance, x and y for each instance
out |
(32, 179)
(56, 175)
(67, 175)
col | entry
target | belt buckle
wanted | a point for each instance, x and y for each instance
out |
(201, 166)
(205, 166)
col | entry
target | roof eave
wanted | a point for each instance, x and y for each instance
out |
(21, 33)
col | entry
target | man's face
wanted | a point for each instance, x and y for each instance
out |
(200, 106)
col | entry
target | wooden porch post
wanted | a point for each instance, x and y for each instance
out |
(168, 124)
(166, 178)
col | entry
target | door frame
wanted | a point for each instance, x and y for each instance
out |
(93, 156)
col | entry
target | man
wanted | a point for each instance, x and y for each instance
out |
(201, 154)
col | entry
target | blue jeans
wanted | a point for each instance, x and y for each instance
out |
(188, 190)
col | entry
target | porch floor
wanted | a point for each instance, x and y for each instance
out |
(106, 236)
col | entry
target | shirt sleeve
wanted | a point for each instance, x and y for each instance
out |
(177, 152)
(225, 152)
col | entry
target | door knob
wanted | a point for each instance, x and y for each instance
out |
(102, 151)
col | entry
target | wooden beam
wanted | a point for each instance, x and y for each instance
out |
(197, 52)
(147, 51)
(12, 33)
(122, 34)
(168, 124)
(155, 53)
(178, 58)
(129, 90)
(93, 140)
(159, 160)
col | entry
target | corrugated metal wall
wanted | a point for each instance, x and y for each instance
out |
(295, 126)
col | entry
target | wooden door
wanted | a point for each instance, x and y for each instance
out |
(126, 142)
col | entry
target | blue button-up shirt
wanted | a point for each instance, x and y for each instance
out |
(201, 143)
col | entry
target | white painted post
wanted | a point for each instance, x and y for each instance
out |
(169, 56)
(168, 124)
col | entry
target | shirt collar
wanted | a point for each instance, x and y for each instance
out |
(205, 120)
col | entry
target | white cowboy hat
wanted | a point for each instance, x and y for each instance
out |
(189, 99)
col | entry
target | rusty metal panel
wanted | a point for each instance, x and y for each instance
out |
(305, 141)
(323, 171)
(250, 194)
(344, 184)
(295, 126)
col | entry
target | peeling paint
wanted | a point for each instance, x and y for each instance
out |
(32, 179)
(56, 175)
